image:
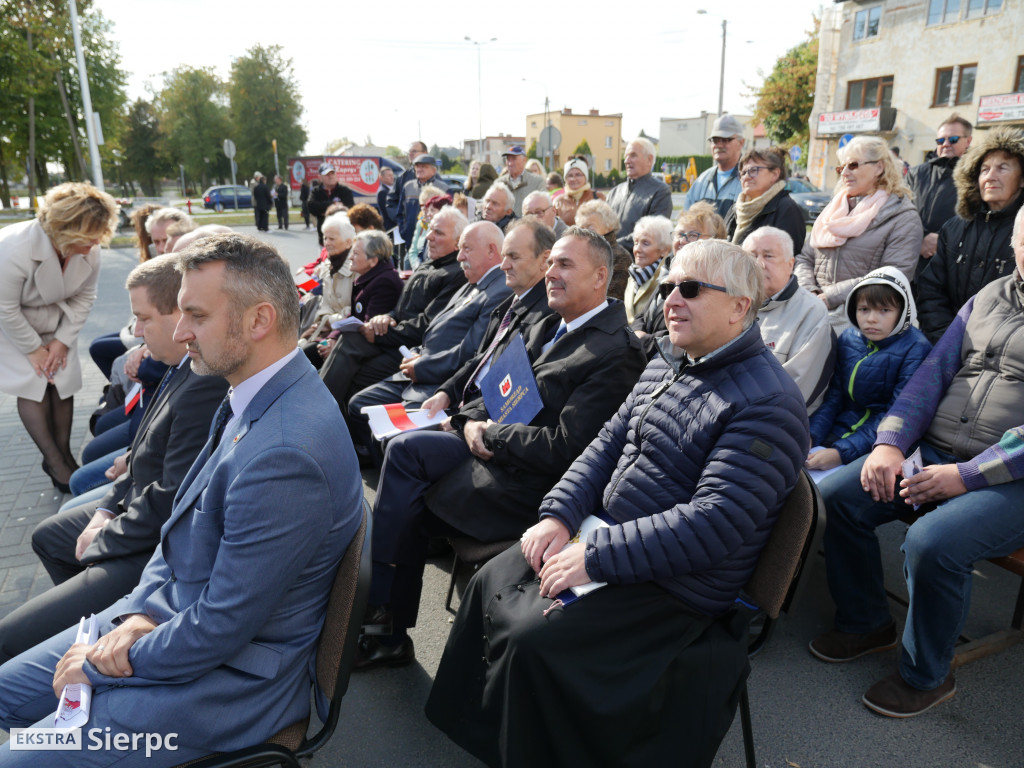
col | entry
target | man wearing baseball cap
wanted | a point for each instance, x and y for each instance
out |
(720, 184)
(329, 191)
(518, 179)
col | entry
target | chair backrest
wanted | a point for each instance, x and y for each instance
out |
(336, 650)
(771, 585)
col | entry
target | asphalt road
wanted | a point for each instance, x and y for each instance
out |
(805, 713)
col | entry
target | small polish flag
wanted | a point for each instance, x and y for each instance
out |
(133, 399)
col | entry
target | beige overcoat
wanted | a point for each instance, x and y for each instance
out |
(39, 303)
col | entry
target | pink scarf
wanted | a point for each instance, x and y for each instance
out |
(836, 223)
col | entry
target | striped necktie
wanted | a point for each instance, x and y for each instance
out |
(506, 321)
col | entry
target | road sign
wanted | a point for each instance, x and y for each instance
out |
(845, 139)
(550, 140)
(794, 154)
(229, 148)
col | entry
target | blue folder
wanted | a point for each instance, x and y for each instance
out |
(509, 388)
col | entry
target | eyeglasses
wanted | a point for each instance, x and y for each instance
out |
(853, 166)
(753, 170)
(541, 212)
(688, 289)
(719, 140)
(689, 236)
(950, 139)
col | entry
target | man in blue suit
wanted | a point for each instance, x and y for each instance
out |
(216, 644)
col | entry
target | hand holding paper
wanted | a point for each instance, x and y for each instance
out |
(70, 682)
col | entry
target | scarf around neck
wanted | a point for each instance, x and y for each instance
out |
(837, 223)
(576, 194)
(748, 210)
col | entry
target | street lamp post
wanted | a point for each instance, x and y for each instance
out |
(479, 90)
(721, 74)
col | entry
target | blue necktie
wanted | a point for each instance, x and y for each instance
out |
(166, 380)
(562, 330)
(219, 420)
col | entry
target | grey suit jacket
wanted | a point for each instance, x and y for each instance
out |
(168, 440)
(455, 333)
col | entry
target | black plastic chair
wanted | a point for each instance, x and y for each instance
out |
(336, 652)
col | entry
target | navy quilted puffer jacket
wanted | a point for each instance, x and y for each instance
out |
(694, 468)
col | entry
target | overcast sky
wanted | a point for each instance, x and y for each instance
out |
(397, 70)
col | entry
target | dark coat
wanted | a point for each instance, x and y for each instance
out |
(382, 206)
(281, 203)
(635, 198)
(320, 199)
(934, 191)
(780, 212)
(530, 309)
(261, 199)
(581, 380)
(693, 469)
(652, 323)
(173, 431)
(429, 288)
(487, 176)
(869, 376)
(376, 292)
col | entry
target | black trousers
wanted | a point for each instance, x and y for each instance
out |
(78, 590)
(262, 220)
(282, 213)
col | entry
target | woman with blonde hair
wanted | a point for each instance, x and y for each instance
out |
(870, 222)
(48, 272)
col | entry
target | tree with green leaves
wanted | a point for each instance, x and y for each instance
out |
(264, 107)
(583, 148)
(194, 122)
(532, 151)
(143, 158)
(785, 99)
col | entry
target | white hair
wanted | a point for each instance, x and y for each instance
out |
(339, 223)
(510, 198)
(646, 145)
(725, 264)
(783, 238)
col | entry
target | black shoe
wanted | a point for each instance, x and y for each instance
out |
(376, 621)
(62, 487)
(372, 654)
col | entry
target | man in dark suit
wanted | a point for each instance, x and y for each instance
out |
(387, 186)
(451, 337)
(262, 202)
(95, 552)
(359, 360)
(486, 479)
(217, 641)
(281, 201)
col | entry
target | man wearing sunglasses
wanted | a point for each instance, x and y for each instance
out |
(932, 182)
(689, 474)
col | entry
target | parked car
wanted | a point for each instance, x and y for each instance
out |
(810, 199)
(224, 198)
(456, 182)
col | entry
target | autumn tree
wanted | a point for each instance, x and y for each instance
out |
(194, 122)
(785, 99)
(264, 106)
(143, 158)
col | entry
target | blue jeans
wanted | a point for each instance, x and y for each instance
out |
(92, 474)
(939, 551)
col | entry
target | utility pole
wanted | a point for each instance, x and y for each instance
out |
(83, 79)
(31, 136)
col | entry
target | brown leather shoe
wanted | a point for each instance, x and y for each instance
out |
(895, 697)
(837, 647)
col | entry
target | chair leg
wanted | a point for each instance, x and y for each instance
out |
(456, 562)
(748, 733)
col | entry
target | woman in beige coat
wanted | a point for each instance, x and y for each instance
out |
(869, 223)
(48, 273)
(652, 243)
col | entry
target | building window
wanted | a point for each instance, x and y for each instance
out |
(607, 142)
(609, 123)
(865, 23)
(876, 92)
(944, 78)
(943, 82)
(533, 124)
(1019, 80)
(607, 164)
(943, 11)
(976, 8)
(581, 122)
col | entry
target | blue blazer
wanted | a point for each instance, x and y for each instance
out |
(240, 581)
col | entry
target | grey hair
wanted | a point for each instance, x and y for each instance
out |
(647, 145)
(536, 194)
(254, 273)
(429, 191)
(724, 263)
(510, 198)
(598, 248)
(376, 244)
(773, 233)
(601, 211)
(166, 215)
(339, 222)
(451, 212)
(658, 227)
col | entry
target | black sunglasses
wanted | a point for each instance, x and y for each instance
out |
(688, 289)
(950, 139)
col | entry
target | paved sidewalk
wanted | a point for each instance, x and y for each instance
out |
(805, 713)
